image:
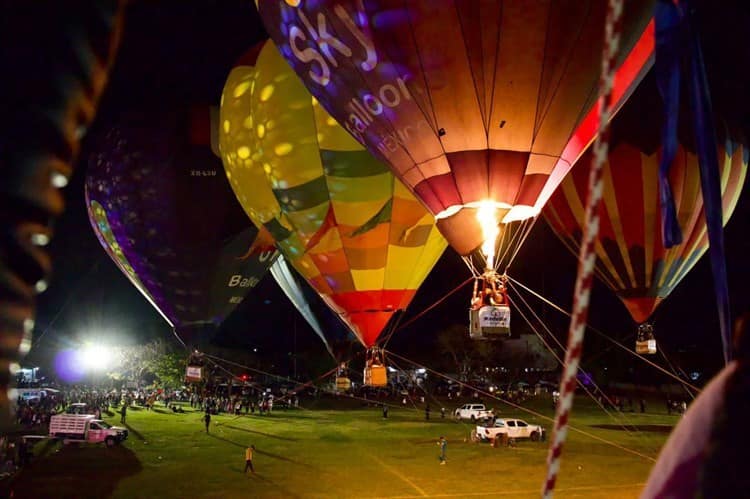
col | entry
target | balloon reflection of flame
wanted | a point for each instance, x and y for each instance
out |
(487, 216)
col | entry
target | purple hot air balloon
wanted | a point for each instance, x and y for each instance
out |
(161, 206)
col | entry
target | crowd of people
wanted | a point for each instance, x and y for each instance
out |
(246, 403)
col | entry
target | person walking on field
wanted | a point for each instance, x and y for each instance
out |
(443, 444)
(249, 459)
(207, 420)
(123, 413)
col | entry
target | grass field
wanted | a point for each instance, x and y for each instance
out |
(348, 453)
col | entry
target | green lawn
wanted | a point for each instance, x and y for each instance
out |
(324, 453)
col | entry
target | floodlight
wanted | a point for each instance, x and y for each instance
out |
(95, 357)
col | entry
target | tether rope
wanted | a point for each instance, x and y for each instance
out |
(560, 361)
(523, 409)
(626, 425)
(528, 225)
(214, 359)
(604, 335)
(674, 370)
(302, 384)
(70, 297)
(423, 312)
(587, 254)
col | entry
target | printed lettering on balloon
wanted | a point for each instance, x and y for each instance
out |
(323, 57)
(241, 281)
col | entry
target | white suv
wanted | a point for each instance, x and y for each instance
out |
(473, 412)
(518, 428)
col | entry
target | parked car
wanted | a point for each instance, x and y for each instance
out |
(518, 428)
(85, 428)
(514, 428)
(473, 412)
(488, 433)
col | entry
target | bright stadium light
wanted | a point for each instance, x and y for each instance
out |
(95, 357)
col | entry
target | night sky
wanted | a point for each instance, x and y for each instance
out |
(178, 53)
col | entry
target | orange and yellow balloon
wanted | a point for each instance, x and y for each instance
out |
(340, 217)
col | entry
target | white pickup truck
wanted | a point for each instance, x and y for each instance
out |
(473, 412)
(85, 428)
(514, 428)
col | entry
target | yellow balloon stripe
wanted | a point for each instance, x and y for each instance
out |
(351, 225)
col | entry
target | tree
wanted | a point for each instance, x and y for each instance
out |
(141, 363)
(527, 351)
(464, 354)
(170, 369)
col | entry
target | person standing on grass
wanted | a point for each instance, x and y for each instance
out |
(249, 459)
(443, 444)
(207, 420)
(123, 413)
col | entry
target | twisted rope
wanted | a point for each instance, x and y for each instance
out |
(587, 255)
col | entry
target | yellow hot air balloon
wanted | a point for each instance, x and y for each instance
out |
(339, 216)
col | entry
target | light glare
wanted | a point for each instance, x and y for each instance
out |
(487, 216)
(95, 357)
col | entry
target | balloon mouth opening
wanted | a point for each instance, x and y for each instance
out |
(514, 213)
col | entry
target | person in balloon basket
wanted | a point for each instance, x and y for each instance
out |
(443, 444)
(249, 459)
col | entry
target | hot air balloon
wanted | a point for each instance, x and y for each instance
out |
(338, 215)
(333, 333)
(631, 258)
(161, 207)
(479, 107)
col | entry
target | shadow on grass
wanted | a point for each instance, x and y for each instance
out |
(284, 492)
(132, 431)
(282, 458)
(653, 428)
(70, 472)
(237, 444)
(262, 452)
(285, 417)
(290, 414)
(256, 432)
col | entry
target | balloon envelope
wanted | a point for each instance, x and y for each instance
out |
(338, 215)
(631, 258)
(162, 209)
(469, 102)
(334, 334)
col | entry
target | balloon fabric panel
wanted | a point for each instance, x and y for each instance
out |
(334, 334)
(466, 101)
(631, 259)
(146, 178)
(346, 215)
